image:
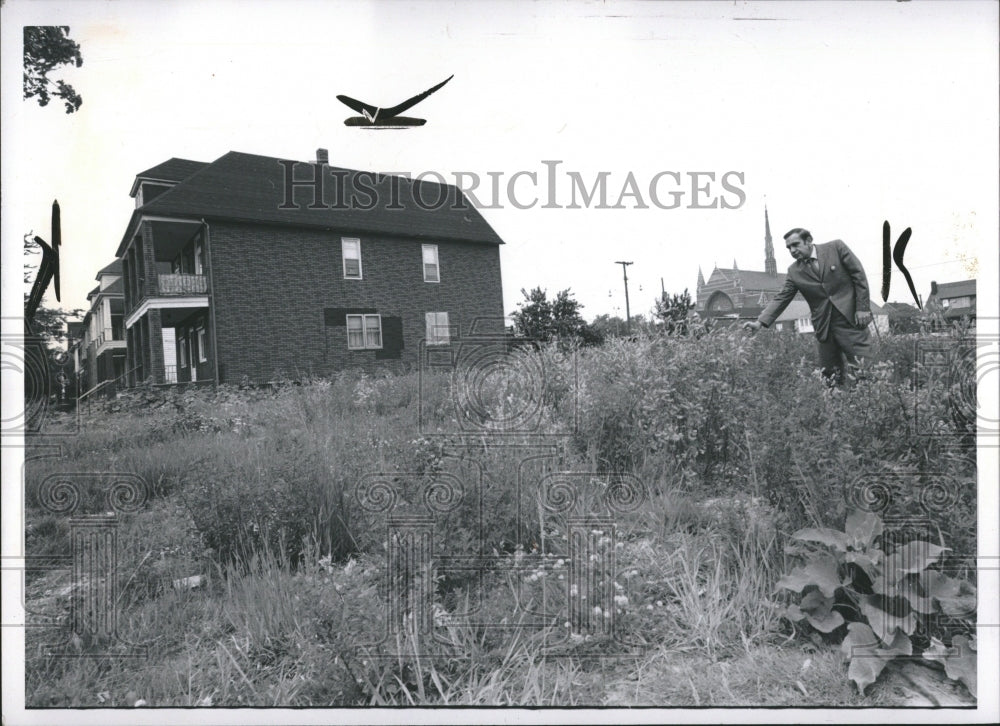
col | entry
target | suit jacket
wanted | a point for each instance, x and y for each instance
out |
(839, 282)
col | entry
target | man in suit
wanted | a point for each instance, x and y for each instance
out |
(833, 282)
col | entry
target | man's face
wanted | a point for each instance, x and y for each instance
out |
(800, 248)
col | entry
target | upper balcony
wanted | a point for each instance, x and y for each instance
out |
(114, 334)
(182, 284)
(166, 259)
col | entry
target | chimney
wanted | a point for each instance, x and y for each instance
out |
(322, 156)
(934, 289)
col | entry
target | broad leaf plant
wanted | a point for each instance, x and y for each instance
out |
(887, 599)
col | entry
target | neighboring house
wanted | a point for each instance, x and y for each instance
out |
(98, 343)
(77, 353)
(954, 300)
(903, 317)
(798, 318)
(732, 293)
(264, 267)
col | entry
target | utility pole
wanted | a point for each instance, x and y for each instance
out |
(628, 315)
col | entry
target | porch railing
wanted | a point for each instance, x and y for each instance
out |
(182, 284)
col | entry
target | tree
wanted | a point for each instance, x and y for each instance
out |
(675, 312)
(46, 47)
(539, 318)
(609, 326)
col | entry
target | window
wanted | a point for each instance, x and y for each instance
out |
(184, 353)
(199, 258)
(352, 258)
(364, 332)
(202, 340)
(431, 263)
(438, 332)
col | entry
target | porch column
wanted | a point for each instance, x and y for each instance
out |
(156, 367)
(148, 251)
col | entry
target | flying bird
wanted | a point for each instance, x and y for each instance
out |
(378, 117)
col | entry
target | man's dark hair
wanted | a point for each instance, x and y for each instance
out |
(803, 233)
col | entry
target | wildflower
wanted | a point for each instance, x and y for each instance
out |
(597, 610)
(659, 603)
(560, 562)
(621, 600)
(649, 606)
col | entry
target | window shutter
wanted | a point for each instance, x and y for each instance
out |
(392, 338)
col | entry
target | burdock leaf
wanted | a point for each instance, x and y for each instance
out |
(826, 622)
(883, 623)
(793, 613)
(908, 589)
(912, 557)
(818, 609)
(961, 606)
(960, 664)
(821, 572)
(867, 660)
(862, 528)
(866, 560)
(830, 537)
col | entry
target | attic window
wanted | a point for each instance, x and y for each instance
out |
(148, 191)
(351, 248)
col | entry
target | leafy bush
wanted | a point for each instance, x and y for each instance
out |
(890, 595)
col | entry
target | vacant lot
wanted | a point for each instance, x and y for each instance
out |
(605, 526)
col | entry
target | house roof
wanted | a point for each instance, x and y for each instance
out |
(796, 309)
(115, 268)
(751, 279)
(172, 170)
(249, 188)
(900, 310)
(956, 289)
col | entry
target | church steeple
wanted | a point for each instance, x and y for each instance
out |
(701, 278)
(770, 266)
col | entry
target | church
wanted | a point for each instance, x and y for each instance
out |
(735, 294)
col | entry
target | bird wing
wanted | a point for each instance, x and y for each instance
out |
(409, 103)
(359, 106)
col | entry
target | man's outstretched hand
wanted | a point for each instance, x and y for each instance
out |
(752, 326)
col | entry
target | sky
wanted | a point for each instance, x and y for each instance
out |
(836, 117)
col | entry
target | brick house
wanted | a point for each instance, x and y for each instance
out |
(264, 267)
(953, 300)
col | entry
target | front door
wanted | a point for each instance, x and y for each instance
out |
(192, 355)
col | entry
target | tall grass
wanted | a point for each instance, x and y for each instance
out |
(735, 442)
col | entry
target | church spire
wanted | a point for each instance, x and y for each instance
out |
(701, 278)
(770, 266)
